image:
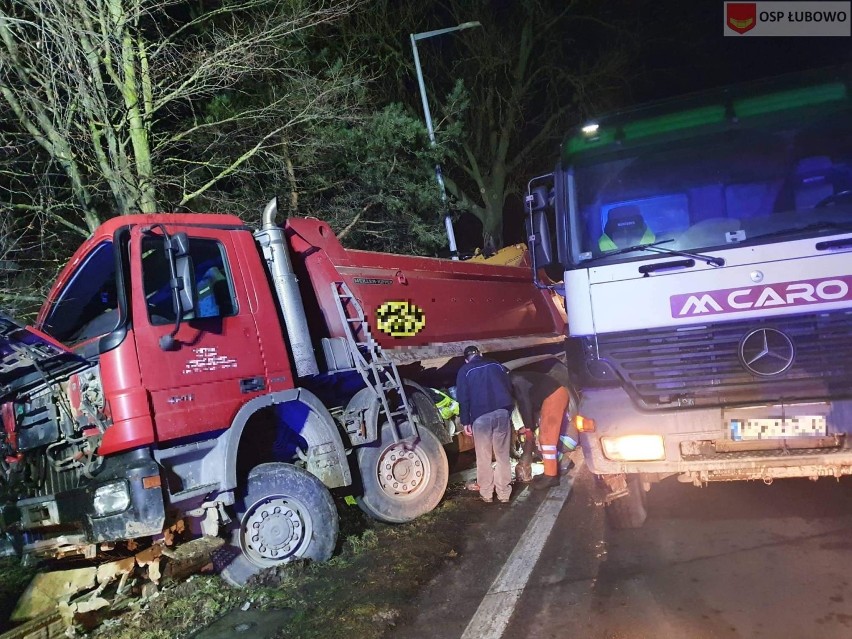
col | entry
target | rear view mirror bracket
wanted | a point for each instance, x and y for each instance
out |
(538, 230)
(181, 281)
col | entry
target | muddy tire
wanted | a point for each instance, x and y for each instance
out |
(402, 480)
(629, 511)
(428, 414)
(286, 514)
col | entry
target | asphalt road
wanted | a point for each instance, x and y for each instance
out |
(729, 560)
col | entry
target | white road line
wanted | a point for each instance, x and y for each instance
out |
(493, 614)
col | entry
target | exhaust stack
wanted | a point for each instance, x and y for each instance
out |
(274, 244)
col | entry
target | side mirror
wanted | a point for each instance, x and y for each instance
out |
(185, 295)
(538, 230)
(182, 283)
(543, 247)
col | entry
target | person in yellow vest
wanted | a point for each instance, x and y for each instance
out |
(446, 405)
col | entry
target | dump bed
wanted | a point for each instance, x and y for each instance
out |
(418, 306)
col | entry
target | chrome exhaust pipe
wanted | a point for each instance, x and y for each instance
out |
(273, 242)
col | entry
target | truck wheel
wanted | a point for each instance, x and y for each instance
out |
(286, 514)
(402, 480)
(429, 415)
(630, 510)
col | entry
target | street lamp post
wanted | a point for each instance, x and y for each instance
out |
(448, 220)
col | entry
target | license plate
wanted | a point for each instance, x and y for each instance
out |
(777, 428)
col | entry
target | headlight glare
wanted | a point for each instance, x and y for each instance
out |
(633, 447)
(111, 498)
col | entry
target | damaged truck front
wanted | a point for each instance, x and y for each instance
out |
(188, 371)
(52, 433)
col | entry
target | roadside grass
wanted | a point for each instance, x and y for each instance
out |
(361, 593)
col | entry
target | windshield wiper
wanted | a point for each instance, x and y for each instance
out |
(655, 247)
(816, 226)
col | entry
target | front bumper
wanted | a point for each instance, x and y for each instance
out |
(697, 445)
(74, 509)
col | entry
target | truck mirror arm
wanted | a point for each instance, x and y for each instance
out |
(181, 280)
(538, 230)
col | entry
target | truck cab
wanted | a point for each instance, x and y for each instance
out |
(706, 245)
(160, 393)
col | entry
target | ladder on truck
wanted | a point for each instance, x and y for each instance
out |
(377, 370)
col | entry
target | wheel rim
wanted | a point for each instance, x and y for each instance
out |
(403, 469)
(275, 530)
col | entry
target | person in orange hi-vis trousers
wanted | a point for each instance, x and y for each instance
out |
(534, 391)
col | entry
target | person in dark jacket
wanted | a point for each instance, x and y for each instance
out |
(485, 401)
(539, 392)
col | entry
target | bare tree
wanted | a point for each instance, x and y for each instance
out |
(28, 258)
(145, 104)
(512, 86)
(523, 87)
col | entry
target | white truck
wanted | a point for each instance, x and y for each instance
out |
(706, 245)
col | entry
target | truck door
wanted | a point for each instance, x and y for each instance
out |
(217, 364)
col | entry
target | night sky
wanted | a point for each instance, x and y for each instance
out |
(682, 50)
(692, 53)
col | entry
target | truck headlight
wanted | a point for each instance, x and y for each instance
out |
(111, 498)
(633, 447)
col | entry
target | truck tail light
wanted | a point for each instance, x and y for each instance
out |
(584, 424)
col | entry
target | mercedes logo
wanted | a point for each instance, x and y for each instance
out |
(767, 352)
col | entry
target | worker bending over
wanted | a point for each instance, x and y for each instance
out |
(539, 392)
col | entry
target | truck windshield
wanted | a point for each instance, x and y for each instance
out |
(743, 184)
(87, 306)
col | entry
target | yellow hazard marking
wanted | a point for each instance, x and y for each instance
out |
(400, 318)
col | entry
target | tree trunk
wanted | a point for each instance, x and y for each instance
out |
(290, 172)
(492, 214)
(134, 103)
(492, 238)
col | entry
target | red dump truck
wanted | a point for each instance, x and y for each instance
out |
(187, 369)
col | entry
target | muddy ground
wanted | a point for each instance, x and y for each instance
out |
(362, 592)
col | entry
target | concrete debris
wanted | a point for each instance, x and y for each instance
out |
(177, 529)
(47, 590)
(192, 557)
(150, 559)
(49, 626)
(107, 572)
(78, 594)
(90, 605)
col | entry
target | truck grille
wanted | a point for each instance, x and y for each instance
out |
(49, 480)
(701, 366)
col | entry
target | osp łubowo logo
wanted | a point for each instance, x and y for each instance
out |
(741, 16)
(786, 18)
